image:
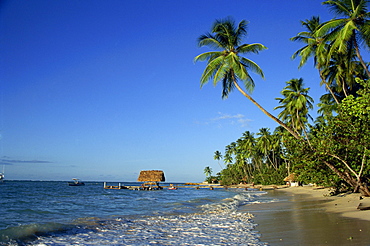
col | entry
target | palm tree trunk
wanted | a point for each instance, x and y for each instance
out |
(327, 87)
(265, 112)
(344, 88)
(360, 57)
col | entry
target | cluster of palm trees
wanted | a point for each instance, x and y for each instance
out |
(335, 47)
(254, 159)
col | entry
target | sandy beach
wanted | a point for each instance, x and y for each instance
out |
(309, 216)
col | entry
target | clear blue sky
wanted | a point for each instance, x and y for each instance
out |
(100, 90)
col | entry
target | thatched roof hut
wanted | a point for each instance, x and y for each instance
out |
(151, 176)
(291, 178)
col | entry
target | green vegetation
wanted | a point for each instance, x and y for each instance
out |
(331, 150)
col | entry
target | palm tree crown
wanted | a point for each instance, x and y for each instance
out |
(348, 32)
(227, 64)
(295, 104)
(309, 38)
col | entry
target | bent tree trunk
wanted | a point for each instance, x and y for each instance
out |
(267, 113)
(357, 184)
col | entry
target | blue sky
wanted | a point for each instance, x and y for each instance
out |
(100, 90)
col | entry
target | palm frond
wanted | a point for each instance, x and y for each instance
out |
(209, 40)
(344, 35)
(207, 56)
(337, 7)
(328, 26)
(251, 48)
(211, 69)
(252, 66)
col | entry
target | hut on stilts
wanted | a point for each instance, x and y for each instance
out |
(151, 179)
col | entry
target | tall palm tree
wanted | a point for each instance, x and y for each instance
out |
(218, 157)
(295, 104)
(342, 71)
(228, 159)
(264, 144)
(315, 47)
(327, 106)
(248, 142)
(228, 65)
(350, 30)
(309, 38)
(208, 171)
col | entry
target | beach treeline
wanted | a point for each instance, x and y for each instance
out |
(332, 149)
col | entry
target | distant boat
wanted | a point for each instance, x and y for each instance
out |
(76, 182)
(172, 187)
(2, 176)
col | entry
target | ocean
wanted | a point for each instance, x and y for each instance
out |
(53, 213)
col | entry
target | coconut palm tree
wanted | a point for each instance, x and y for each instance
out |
(315, 47)
(341, 72)
(218, 157)
(208, 171)
(327, 106)
(309, 38)
(295, 104)
(228, 159)
(248, 142)
(227, 63)
(350, 29)
(265, 145)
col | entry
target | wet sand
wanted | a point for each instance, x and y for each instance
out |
(306, 216)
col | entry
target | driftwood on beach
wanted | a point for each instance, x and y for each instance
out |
(363, 206)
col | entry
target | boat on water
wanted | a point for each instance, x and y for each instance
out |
(76, 182)
(172, 187)
(2, 176)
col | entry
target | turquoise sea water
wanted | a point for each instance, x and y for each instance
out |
(53, 213)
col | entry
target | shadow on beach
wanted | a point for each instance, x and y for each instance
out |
(297, 219)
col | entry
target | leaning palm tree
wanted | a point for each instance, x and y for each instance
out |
(351, 28)
(315, 47)
(228, 65)
(218, 157)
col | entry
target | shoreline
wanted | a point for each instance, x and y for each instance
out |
(345, 204)
(308, 216)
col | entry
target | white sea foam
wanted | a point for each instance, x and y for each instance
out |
(217, 224)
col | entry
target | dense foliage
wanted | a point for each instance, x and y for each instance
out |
(334, 148)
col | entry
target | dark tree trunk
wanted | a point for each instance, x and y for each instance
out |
(357, 185)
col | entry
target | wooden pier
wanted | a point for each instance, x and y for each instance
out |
(144, 187)
(123, 187)
(114, 187)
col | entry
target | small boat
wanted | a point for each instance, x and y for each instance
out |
(76, 182)
(2, 176)
(172, 187)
